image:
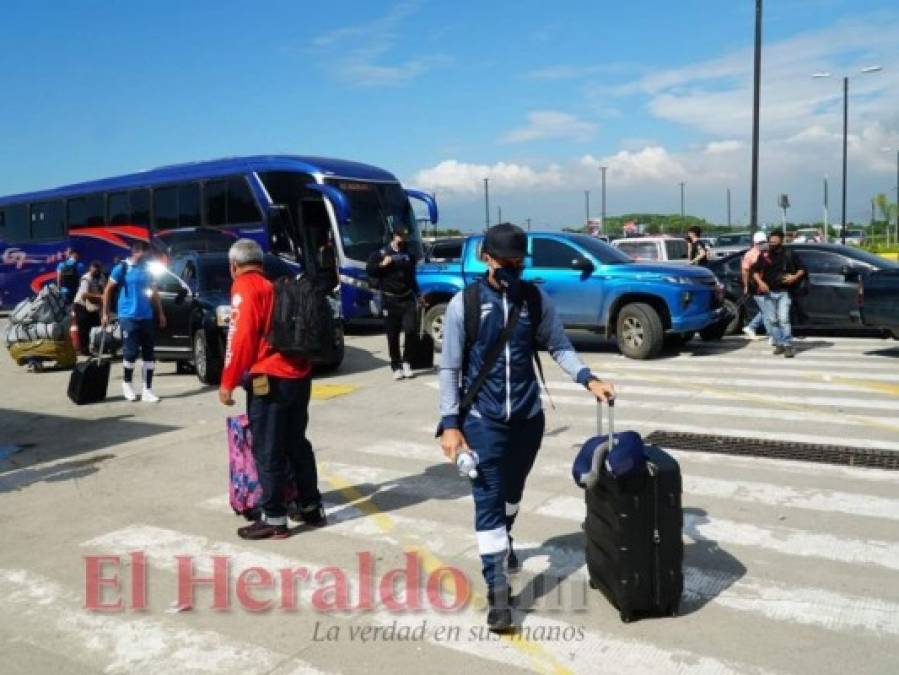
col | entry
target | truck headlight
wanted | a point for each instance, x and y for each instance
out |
(222, 315)
(686, 281)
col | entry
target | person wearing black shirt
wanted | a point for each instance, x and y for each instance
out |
(697, 251)
(777, 271)
(393, 268)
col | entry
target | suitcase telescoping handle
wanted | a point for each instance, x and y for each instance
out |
(611, 419)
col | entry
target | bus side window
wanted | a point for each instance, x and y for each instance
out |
(47, 220)
(189, 205)
(140, 207)
(241, 202)
(165, 208)
(14, 224)
(215, 203)
(118, 208)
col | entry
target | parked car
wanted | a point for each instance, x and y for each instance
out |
(596, 287)
(444, 250)
(728, 244)
(878, 300)
(855, 237)
(828, 298)
(195, 292)
(655, 249)
(808, 235)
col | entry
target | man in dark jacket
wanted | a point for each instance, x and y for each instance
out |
(393, 269)
(777, 272)
(504, 423)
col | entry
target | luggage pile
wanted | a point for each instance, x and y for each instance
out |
(113, 341)
(39, 330)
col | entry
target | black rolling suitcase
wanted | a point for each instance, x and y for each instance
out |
(420, 351)
(633, 533)
(90, 379)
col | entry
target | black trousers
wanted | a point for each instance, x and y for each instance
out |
(278, 422)
(399, 317)
(85, 320)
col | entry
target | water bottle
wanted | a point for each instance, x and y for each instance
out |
(467, 463)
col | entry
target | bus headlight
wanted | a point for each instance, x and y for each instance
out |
(222, 315)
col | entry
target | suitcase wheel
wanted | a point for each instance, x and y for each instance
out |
(672, 611)
(593, 584)
(625, 617)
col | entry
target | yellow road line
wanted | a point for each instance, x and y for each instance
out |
(325, 392)
(544, 662)
(881, 387)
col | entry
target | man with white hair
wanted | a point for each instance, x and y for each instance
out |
(278, 387)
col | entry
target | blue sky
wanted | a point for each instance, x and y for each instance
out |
(534, 95)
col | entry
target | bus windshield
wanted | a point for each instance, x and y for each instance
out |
(375, 210)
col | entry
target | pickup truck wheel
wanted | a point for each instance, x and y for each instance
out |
(207, 367)
(714, 332)
(736, 322)
(640, 334)
(434, 324)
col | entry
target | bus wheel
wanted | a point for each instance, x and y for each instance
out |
(434, 323)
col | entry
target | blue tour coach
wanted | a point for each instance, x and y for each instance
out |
(320, 209)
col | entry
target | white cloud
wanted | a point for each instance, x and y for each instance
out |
(461, 178)
(722, 147)
(551, 125)
(359, 54)
(652, 164)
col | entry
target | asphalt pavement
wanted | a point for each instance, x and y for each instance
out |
(791, 567)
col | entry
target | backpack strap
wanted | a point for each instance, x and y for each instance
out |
(471, 302)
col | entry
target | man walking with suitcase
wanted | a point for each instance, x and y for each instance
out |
(393, 268)
(138, 298)
(278, 389)
(490, 397)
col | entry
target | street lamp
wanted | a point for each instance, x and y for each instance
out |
(865, 71)
(602, 215)
(682, 200)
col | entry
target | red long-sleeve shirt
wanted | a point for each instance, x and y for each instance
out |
(247, 351)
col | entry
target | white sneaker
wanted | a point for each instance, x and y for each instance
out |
(407, 370)
(147, 396)
(397, 374)
(128, 392)
(751, 334)
(771, 341)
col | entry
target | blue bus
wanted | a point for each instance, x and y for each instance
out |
(324, 212)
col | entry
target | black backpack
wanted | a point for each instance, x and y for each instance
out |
(68, 278)
(302, 320)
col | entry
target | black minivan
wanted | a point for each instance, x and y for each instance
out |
(195, 292)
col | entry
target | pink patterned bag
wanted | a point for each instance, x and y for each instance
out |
(245, 492)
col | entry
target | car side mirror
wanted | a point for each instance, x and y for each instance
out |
(850, 272)
(181, 295)
(582, 265)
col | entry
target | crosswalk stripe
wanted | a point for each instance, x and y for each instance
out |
(873, 371)
(605, 653)
(786, 541)
(806, 605)
(768, 494)
(53, 615)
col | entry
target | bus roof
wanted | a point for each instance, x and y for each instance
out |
(211, 168)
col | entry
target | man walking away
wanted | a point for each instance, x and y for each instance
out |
(138, 297)
(697, 251)
(749, 286)
(394, 269)
(68, 274)
(278, 388)
(776, 272)
(504, 423)
(88, 301)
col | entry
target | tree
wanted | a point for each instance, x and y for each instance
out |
(885, 207)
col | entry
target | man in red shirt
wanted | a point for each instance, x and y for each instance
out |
(278, 389)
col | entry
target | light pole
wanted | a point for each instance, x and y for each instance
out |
(499, 214)
(682, 212)
(602, 215)
(586, 206)
(486, 204)
(826, 215)
(864, 71)
(756, 95)
(529, 223)
(728, 207)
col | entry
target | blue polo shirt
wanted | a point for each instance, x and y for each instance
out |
(135, 286)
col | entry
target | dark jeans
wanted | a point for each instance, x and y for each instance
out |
(278, 423)
(138, 337)
(85, 320)
(506, 454)
(400, 316)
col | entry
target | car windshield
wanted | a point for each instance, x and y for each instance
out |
(605, 254)
(375, 210)
(733, 240)
(640, 250)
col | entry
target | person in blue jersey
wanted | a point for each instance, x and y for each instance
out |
(138, 298)
(504, 421)
(68, 275)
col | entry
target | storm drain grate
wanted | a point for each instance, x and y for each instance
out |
(754, 447)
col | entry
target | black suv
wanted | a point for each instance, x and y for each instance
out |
(195, 292)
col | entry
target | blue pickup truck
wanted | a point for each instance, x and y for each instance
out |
(595, 287)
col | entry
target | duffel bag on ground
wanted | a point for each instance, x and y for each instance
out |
(47, 307)
(113, 339)
(31, 332)
(60, 351)
(21, 312)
